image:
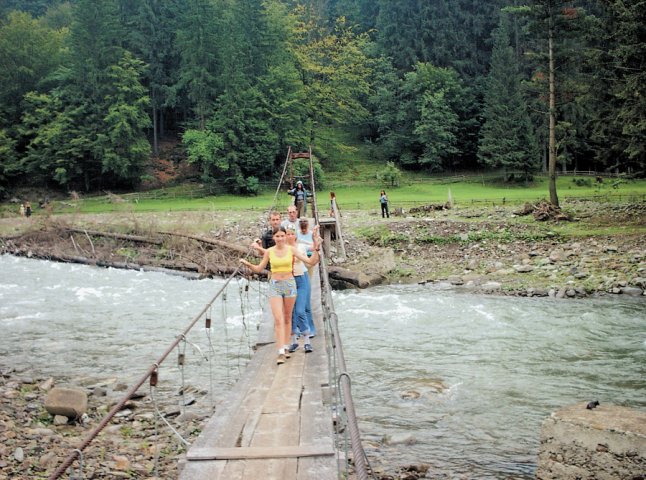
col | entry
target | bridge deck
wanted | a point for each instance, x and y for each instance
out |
(276, 421)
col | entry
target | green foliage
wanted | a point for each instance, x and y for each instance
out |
(582, 182)
(382, 236)
(390, 175)
(86, 87)
(29, 52)
(506, 138)
(204, 148)
(301, 168)
(334, 69)
(426, 118)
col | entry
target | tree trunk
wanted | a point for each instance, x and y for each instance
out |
(155, 131)
(554, 199)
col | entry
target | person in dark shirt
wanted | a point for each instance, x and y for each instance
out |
(300, 198)
(267, 239)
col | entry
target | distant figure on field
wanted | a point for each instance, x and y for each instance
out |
(27, 209)
(334, 207)
(22, 209)
(300, 198)
(383, 200)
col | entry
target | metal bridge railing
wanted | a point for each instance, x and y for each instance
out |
(151, 374)
(342, 380)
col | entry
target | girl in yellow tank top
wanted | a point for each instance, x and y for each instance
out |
(284, 264)
(282, 286)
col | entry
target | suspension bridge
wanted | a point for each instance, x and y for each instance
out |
(291, 421)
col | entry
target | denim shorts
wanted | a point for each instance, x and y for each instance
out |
(282, 288)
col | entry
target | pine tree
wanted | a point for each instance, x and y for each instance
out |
(506, 137)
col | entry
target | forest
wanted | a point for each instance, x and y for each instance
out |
(89, 91)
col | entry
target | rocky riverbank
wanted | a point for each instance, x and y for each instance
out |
(35, 442)
(601, 250)
(499, 251)
(134, 444)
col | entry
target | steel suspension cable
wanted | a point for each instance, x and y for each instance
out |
(359, 454)
(152, 369)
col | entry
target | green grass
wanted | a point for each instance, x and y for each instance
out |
(363, 195)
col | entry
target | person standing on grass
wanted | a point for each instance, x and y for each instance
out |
(282, 286)
(383, 201)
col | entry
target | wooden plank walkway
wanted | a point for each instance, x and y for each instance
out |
(276, 422)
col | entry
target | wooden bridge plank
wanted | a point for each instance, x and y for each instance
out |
(247, 453)
(275, 423)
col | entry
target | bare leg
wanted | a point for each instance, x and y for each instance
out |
(288, 308)
(276, 304)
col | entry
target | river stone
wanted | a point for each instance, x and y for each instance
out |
(557, 256)
(491, 286)
(472, 277)
(523, 268)
(402, 438)
(455, 280)
(99, 392)
(632, 291)
(69, 402)
(410, 395)
(187, 417)
(19, 455)
(47, 460)
(121, 462)
(60, 420)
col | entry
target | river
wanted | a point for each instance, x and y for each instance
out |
(458, 381)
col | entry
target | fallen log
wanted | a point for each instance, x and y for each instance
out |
(191, 275)
(118, 236)
(210, 241)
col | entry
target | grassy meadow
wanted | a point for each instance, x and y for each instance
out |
(412, 191)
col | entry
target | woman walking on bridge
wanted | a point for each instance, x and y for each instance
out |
(282, 285)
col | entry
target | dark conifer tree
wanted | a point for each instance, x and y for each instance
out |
(506, 138)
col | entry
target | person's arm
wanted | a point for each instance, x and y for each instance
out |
(257, 268)
(316, 246)
(309, 261)
(256, 246)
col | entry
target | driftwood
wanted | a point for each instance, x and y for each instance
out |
(119, 236)
(431, 207)
(192, 274)
(210, 241)
(543, 211)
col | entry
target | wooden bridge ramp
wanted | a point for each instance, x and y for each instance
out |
(276, 421)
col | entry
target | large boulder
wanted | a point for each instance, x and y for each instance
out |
(607, 442)
(357, 279)
(69, 402)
